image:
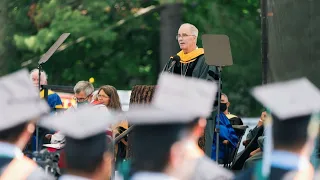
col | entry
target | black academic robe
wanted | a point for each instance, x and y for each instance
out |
(234, 120)
(37, 174)
(275, 174)
(198, 68)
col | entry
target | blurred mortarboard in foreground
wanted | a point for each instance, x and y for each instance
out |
(176, 100)
(289, 99)
(85, 131)
(20, 100)
(289, 102)
(82, 123)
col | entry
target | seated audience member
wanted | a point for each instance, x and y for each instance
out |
(224, 107)
(227, 134)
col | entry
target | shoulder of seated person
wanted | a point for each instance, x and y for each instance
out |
(230, 116)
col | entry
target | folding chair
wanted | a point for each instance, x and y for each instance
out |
(230, 151)
(237, 164)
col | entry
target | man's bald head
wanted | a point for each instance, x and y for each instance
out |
(193, 30)
(187, 37)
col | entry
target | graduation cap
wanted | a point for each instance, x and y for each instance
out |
(85, 130)
(176, 100)
(84, 122)
(289, 99)
(20, 100)
(290, 102)
(176, 103)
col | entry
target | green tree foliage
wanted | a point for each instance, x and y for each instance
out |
(117, 42)
(117, 55)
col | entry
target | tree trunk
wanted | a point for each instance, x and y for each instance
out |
(170, 23)
(294, 40)
(3, 34)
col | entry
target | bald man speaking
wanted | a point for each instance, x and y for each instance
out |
(190, 61)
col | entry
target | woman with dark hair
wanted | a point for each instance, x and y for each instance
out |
(108, 96)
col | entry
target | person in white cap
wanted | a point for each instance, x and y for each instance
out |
(18, 114)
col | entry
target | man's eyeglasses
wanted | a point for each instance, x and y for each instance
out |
(182, 36)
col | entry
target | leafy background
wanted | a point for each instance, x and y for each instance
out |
(117, 43)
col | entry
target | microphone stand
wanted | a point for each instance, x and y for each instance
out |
(217, 129)
(39, 85)
(172, 65)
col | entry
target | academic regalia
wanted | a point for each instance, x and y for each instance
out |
(234, 120)
(159, 126)
(13, 164)
(289, 103)
(54, 99)
(86, 140)
(194, 65)
(226, 133)
(191, 64)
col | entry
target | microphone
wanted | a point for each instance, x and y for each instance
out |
(175, 60)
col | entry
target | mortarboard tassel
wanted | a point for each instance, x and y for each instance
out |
(313, 131)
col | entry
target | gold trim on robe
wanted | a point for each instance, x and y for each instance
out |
(190, 57)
